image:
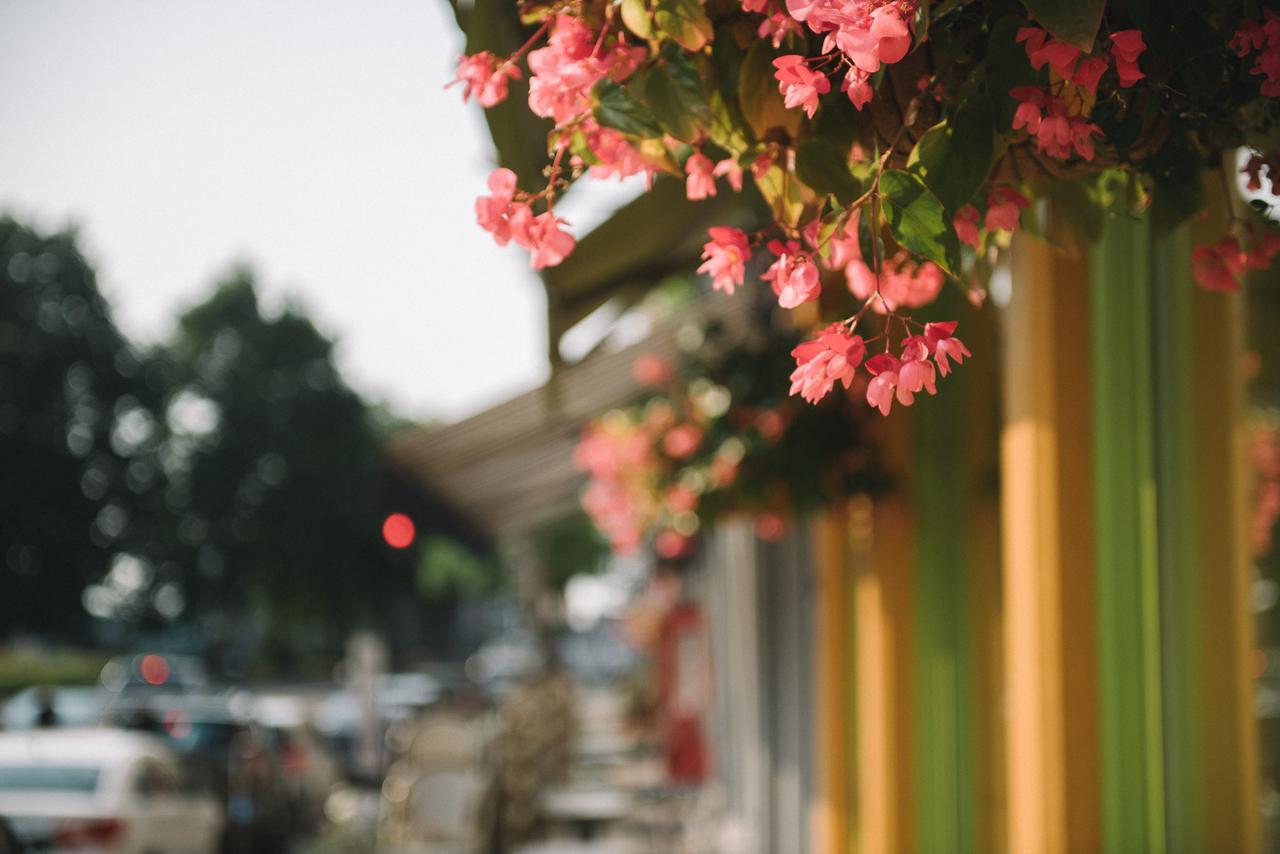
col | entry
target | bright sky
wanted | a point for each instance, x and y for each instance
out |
(312, 138)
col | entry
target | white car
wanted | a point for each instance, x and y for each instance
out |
(103, 790)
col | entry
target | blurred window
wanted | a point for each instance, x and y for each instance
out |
(47, 778)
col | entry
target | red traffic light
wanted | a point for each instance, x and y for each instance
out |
(398, 531)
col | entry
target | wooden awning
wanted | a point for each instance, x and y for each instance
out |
(510, 467)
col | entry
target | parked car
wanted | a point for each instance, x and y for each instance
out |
(67, 706)
(102, 789)
(216, 739)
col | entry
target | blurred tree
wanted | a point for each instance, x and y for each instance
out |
(75, 429)
(274, 476)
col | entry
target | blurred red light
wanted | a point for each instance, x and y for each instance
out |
(154, 669)
(398, 531)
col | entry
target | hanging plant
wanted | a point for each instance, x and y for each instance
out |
(894, 143)
(717, 437)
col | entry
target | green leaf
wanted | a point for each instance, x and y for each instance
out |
(1075, 22)
(685, 22)
(676, 96)
(759, 96)
(726, 129)
(784, 195)
(615, 108)
(917, 219)
(1006, 67)
(635, 15)
(820, 165)
(954, 156)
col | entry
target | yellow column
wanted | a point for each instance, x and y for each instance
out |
(1049, 625)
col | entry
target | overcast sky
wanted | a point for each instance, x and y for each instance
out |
(312, 138)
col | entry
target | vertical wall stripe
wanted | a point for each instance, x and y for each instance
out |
(830, 823)
(1125, 519)
(1171, 324)
(1046, 501)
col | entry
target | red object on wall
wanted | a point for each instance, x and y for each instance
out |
(684, 691)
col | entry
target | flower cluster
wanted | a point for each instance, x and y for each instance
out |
(834, 356)
(509, 218)
(1222, 266)
(639, 88)
(862, 34)
(692, 450)
(1262, 38)
(1058, 122)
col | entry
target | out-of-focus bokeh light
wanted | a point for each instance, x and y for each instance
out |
(398, 531)
(154, 669)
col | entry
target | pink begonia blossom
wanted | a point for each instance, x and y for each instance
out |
(616, 156)
(1047, 118)
(941, 342)
(794, 275)
(564, 71)
(966, 225)
(777, 27)
(730, 171)
(700, 184)
(1088, 73)
(682, 440)
(800, 85)
(1030, 110)
(1263, 38)
(493, 212)
(725, 257)
(915, 371)
(1004, 206)
(1221, 267)
(1126, 47)
(884, 371)
(904, 282)
(868, 41)
(857, 85)
(671, 544)
(754, 5)
(832, 357)
(481, 76)
(547, 243)
(652, 370)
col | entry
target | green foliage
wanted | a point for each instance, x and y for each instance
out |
(21, 669)
(75, 426)
(1075, 22)
(820, 165)
(674, 92)
(954, 157)
(567, 546)
(917, 219)
(684, 21)
(445, 567)
(617, 109)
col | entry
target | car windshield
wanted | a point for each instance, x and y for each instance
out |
(48, 778)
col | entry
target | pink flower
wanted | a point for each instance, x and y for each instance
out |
(700, 184)
(793, 275)
(1030, 108)
(832, 357)
(777, 27)
(616, 155)
(725, 257)
(1004, 205)
(799, 85)
(915, 371)
(1088, 73)
(857, 85)
(564, 71)
(1082, 137)
(1212, 268)
(548, 245)
(493, 213)
(682, 440)
(481, 76)
(940, 341)
(731, 171)
(966, 225)
(880, 391)
(1126, 47)
(652, 370)
(754, 5)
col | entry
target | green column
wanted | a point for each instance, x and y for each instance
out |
(946, 781)
(1128, 592)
